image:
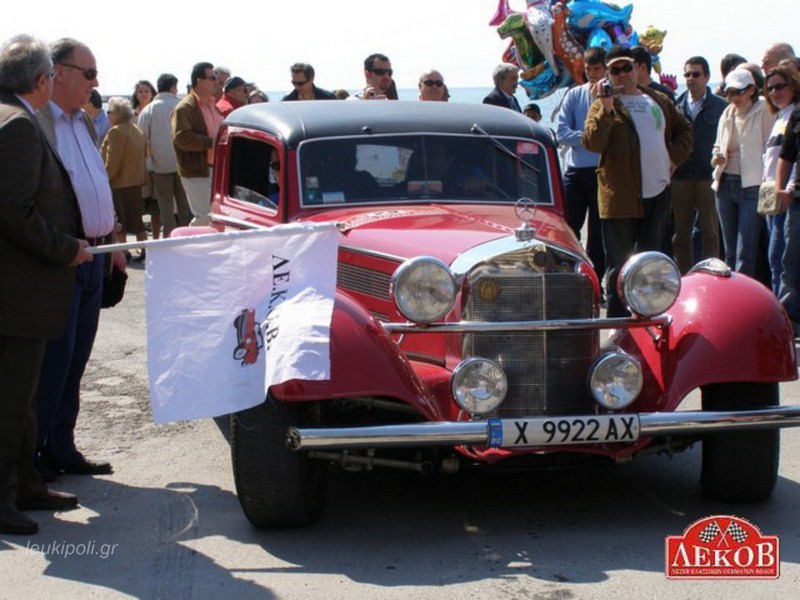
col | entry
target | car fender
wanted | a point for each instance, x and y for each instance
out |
(365, 361)
(723, 329)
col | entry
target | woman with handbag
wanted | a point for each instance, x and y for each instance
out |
(781, 91)
(738, 164)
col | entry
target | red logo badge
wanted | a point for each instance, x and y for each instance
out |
(249, 339)
(722, 547)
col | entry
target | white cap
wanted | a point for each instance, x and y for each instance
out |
(738, 79)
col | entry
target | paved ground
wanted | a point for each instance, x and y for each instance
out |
(167, 523)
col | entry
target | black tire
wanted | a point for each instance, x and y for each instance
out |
(276, 486)
(740, 466)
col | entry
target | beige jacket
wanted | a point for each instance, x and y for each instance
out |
(123, 152)
(752, 138)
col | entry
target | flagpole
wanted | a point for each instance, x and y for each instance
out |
(202, 237)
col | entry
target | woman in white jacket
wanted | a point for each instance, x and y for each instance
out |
(738, 167)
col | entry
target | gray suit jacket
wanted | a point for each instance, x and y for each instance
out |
(39, 227)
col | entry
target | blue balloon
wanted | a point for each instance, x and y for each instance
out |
(599, 38)
(587, 15)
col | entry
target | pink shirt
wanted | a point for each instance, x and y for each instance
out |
(213, 119)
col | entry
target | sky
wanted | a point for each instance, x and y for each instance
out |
(258, 40)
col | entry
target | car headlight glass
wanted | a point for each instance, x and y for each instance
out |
(615, 380)
(424, 289)
(479, 385)
(649, 283)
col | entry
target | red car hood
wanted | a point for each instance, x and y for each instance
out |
(443, 231)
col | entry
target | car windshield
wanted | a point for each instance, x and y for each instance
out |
(414, 168)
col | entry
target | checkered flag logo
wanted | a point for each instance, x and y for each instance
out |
(710, 532)
(738, 534)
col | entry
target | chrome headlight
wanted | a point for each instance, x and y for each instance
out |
(615, 380)
(649, 283)
(479, 385)
(424, 289)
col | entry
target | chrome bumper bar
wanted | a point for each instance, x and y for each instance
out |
(476, 433)
(549, 325)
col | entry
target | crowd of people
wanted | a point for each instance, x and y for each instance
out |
(684, 175)
(651, 172)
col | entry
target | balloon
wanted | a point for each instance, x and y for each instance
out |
(599, 38)
(588, 15)
(527, 53)
(549, 39)
(568, 50)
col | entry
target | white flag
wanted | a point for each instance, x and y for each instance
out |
(230, 314)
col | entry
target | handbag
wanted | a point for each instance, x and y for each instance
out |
(768, 203)
(113, 287)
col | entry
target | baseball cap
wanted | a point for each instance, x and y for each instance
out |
(234, 82)
(738, 79)
(618, 53)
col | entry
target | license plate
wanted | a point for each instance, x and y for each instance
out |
(559, 431)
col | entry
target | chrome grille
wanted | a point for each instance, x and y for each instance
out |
(363, 280)
(546, 370)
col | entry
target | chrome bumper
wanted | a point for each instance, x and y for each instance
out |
(476, 433)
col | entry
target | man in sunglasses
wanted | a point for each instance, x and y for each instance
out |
(641, 138)
(303, 84)
(431, 86)
(692, 196)
(378, 75)
(195, 124)
(68, 128)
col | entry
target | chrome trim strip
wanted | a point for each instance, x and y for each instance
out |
(562, 325)
(465, 261)
(371, 253)
(475, 433)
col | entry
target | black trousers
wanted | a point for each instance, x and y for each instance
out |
(20, 363)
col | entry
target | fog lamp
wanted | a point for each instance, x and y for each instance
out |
(479, 385)
(615, 380)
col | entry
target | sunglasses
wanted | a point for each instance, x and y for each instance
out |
(732, 92)
(626, 68)
(693, 74)
(275, 164)
(777, 86)
(88, 74)
(432, 82)
(299, 83)
(382, 72)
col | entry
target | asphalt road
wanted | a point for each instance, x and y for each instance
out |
(167, 523)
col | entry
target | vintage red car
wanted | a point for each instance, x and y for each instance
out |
(467, 326)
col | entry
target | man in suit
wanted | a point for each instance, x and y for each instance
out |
(506, 80)
(39, 229)
(195, 123)
(68, 129)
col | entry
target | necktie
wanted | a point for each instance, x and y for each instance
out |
(515, 105)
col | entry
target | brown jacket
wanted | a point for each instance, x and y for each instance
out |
(39, 226)
(123, 151)
(619, 174)
(190, 138)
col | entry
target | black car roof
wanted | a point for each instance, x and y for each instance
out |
(295, 122)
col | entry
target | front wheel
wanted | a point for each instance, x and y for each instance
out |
(740, 466)
(276, 486)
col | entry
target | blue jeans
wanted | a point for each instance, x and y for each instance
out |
(622, 238)
(58, 393)
(741, 223)
(777, 245)
(789, 292)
